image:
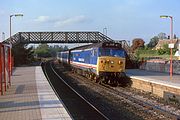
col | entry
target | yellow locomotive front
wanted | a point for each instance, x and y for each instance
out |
(111, 63)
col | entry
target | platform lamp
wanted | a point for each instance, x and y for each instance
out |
(171, 46)
(15, 15)
(105, 31)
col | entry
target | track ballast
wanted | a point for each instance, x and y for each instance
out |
(78, 107)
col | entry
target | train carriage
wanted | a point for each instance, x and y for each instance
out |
(101, 60)
(84, 59)
(63, 56)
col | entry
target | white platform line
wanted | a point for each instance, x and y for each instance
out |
(159, 82)
(50, 106)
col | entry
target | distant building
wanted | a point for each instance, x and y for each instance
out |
(167, 41)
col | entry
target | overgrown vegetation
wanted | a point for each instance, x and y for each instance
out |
(22, 54)
(45, 51)
(153, 42)
(27, 55)
(137, 43)
(165, 50)
(146, 51)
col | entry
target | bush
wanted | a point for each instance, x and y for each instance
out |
(165, 50)
(161, 52)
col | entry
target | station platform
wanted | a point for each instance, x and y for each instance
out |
(156, 82)
(30, 97)
(155, 77)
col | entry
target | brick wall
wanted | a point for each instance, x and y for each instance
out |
(166, 92)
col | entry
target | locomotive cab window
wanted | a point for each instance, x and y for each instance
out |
(104, 52)
(111, 52)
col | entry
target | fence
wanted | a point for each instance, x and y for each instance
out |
(5, 67)
(161, 66)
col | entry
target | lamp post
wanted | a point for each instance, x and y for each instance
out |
(105, 31)
(171, 46)
(3, 36)
(15, 15)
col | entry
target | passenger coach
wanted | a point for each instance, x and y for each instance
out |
(101, 60)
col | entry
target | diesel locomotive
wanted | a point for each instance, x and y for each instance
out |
(103, 61)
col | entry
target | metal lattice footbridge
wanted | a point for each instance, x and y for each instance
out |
(57, 37)
(61, 37)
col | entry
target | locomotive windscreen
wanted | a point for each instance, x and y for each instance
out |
(112, 45)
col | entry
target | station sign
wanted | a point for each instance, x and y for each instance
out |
(171, 45)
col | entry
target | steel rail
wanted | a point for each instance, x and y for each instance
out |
(137, 101)
(47, 77)
(75, 92)
(144, 104)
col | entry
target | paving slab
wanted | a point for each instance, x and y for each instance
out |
(30, 97)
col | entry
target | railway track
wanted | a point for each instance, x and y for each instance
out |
(143, 104)
(138, 103)
(78, 107)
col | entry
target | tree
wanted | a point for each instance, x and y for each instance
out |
(22, 54)
(162, 36)
(65, 48)
(43, 51)
(137, 43)
(54, 49)
(153, 42)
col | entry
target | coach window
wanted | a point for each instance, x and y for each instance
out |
(71, 56)
(94, 52)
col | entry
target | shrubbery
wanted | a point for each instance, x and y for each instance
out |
(165, 50)
(145, 52)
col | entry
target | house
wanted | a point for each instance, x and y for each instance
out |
(167, 41)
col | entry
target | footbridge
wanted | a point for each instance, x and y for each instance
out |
(57, 37)
(61, 37)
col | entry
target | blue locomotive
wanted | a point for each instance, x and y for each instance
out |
(100, 61)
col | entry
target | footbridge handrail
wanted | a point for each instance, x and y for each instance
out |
(57, 37)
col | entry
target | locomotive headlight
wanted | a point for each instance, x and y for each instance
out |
(112, 62)
(120, 62)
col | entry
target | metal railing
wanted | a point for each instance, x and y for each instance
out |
(58, 37)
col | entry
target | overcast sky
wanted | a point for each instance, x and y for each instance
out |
(124, 19)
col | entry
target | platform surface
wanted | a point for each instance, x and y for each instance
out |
(155, 77)
(30, 97)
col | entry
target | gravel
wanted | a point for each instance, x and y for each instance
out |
(115, 106)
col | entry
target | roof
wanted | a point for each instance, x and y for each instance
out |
(165, 41)
(96, 45)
